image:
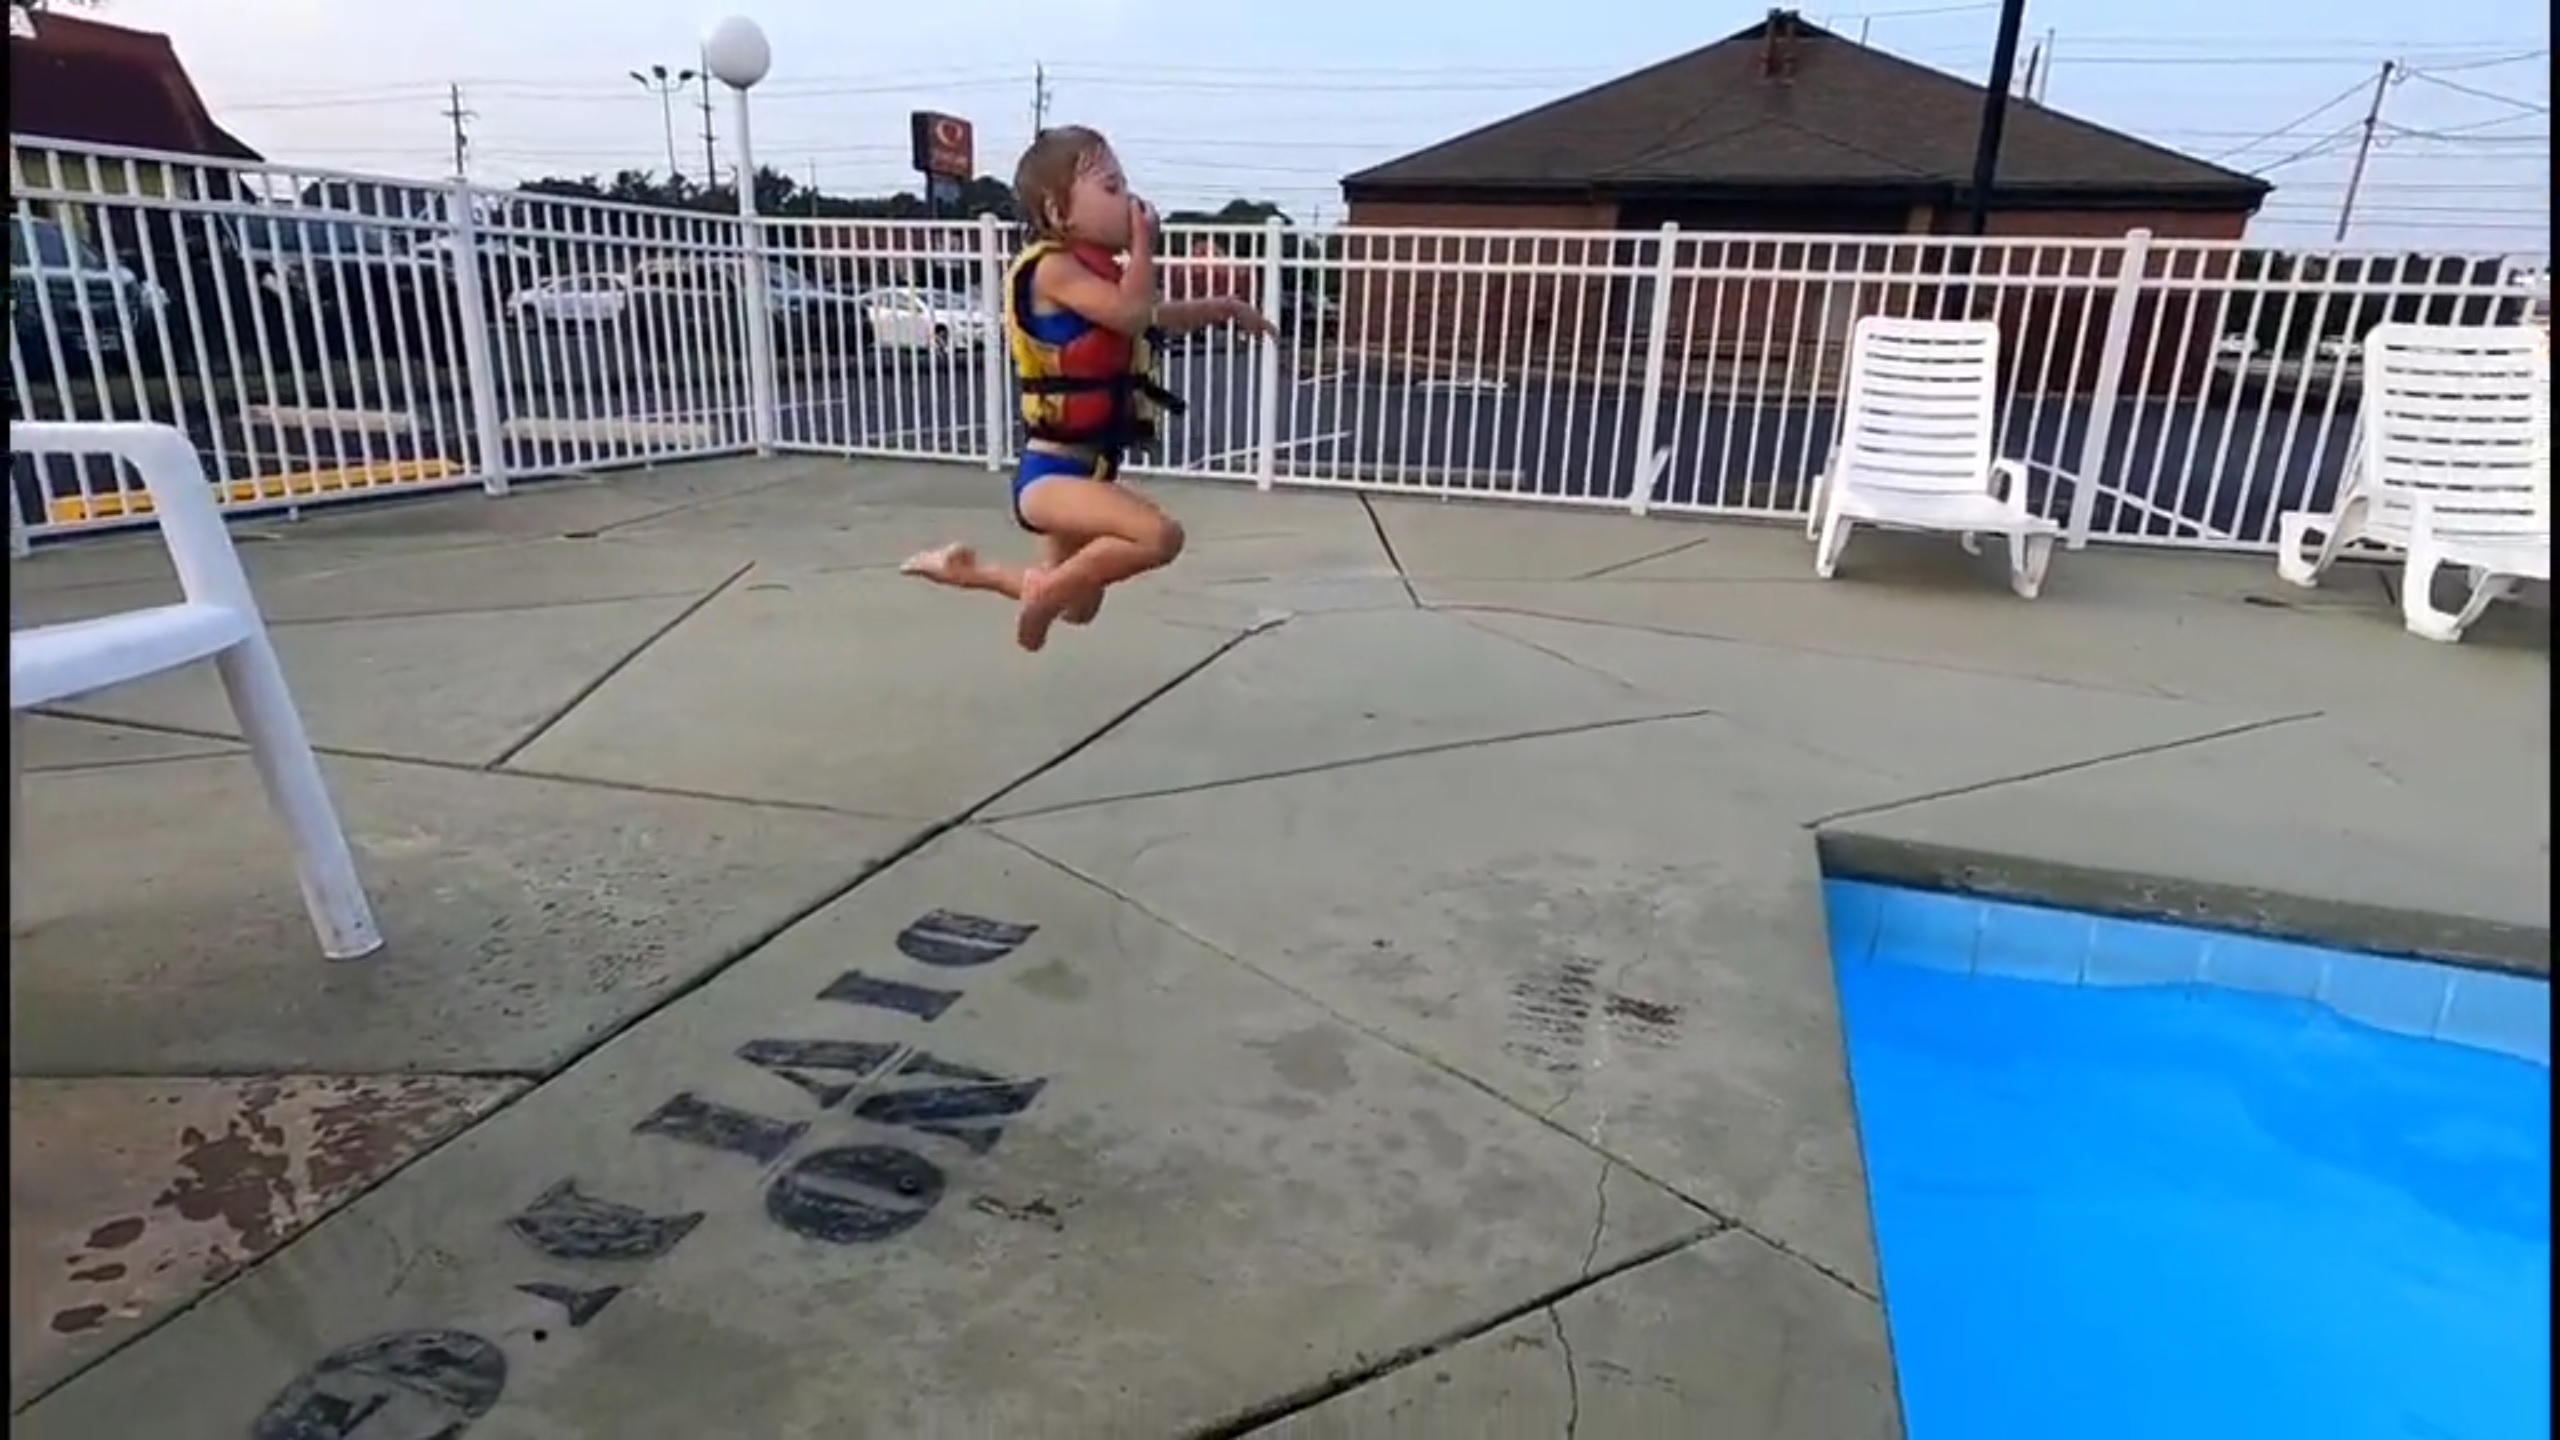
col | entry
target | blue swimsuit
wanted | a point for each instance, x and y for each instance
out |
(1037, 464)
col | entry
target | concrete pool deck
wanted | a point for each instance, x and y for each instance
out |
(1375, 978)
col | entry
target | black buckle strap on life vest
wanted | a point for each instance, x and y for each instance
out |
(1073, 384)
(1166, 400)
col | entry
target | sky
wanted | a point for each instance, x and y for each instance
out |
(1212, 102)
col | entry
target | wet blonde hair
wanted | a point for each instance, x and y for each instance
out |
(1047, 173)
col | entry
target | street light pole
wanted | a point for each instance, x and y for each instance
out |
(738, 56)
(658, 80)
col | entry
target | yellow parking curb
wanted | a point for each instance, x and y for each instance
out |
(78, 509)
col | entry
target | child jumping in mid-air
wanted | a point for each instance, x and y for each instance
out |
(1082, 324)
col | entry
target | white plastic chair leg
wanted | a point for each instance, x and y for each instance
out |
(1833, 540)
(2029, 555)
(281, 751)
(2336, 532)
(2418, 609)
(1817, 505)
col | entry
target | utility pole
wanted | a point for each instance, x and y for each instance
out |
(1995, 112)
(2044, 71)
(1039, 100)
(710, 145)
(461, 119)
(658, 80)
(2364, 151)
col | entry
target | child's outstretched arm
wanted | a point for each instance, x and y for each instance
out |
(1182, 316)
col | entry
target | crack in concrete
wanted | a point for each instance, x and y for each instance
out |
(2046, 772)
(440, 612)
(1272, 1412)
(1387, 543)
(699, 502)
(1710, 637)
(1600, 1220)
(587, 691)
(1353, 762)
(1533, 647)
(1615, 566)
(87, 767)
(1572, 1374)
(236, 748)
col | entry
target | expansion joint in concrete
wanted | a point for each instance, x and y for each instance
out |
(605, 677)
(1354, 762)
(2068, 767)
(1386, 542)
(1272, 1412)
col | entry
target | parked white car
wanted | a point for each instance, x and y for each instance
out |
(904, 317)
(573, 300)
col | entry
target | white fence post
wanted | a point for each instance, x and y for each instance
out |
(995, 357)
(1657, 348)
(1266, 412)
(479, 357)
(2133, 264)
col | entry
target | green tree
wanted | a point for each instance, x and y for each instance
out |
(1234, 212)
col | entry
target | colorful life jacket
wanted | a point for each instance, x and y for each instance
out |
(1092, 387)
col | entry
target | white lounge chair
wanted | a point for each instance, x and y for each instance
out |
(216, 620)
(2462, 422)
(1920, 414)
(2464, 426)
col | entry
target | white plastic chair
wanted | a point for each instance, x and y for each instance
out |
(1918, 421)
(2461, 421)
(2463, 431)
(216, 620)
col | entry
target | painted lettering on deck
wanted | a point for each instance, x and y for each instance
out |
(432, 1384)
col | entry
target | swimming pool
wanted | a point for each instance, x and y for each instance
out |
(2134, 1181)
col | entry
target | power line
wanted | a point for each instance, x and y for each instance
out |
(2297, 122)
(2456, 86)
(2325, 145)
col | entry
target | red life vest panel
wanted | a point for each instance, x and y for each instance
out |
(1097, 388)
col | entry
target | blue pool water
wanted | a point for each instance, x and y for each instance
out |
(2133, 1182)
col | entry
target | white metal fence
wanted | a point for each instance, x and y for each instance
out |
(325, 335)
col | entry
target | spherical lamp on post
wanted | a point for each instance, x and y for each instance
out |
(736, 53)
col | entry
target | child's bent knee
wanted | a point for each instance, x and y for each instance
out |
(1166, 540)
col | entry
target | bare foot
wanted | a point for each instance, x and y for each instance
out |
(1082, 609)
(953, 564)
(1040, 609)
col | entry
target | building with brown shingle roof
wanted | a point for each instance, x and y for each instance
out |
(1785, 126)
(91, 84)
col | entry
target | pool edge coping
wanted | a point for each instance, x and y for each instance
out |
(2466, 941)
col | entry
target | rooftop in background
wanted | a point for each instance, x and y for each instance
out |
(1787, 104)
(74, 79)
